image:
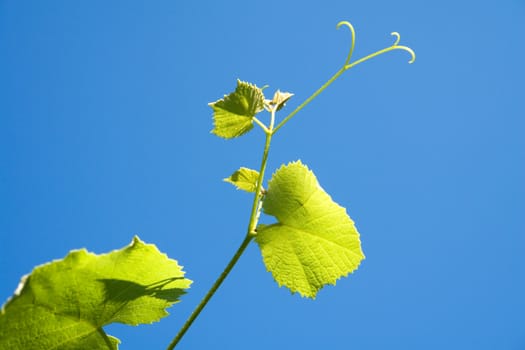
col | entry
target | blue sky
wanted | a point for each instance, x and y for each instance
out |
(104, 133)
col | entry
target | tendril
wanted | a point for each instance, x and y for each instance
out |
(346, 66)
(398, 38)
(352, 31)
(394, 46)
(409, 50)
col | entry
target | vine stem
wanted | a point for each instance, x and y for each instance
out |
(258, 197)
(309, 99)
(251, 232)
(346, 67)
(211, 292)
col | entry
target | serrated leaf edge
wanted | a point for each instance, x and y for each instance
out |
(265, 226)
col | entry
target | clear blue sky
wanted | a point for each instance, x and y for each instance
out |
(104, 133)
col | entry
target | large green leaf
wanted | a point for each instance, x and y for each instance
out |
(314, 242)
(233, 114)
(65, 303)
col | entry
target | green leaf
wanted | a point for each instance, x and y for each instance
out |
(244, 179)
(233, 115)
(314, 242)
(65, 303)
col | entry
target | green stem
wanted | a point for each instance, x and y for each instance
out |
(380, 52)
(258, 122)
(309, 99)
(249, 236)
(346, 67)
(257, 200)
(258, 195)
(211, 292)
(104, 336)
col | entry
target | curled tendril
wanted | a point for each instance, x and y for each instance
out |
(352, 31)
(394, 46)
(409, 50)
(343, 69)
(401, 47)
(398, 38)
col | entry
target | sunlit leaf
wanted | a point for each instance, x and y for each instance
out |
(244, 179)
(233, 114)
(314, 242)
(65, 303)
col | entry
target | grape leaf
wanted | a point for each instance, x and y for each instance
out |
(233, 114)
(314, 242)
(244, 179)
(65, 303)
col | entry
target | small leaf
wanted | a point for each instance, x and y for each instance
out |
(314, 242)
(244, 179)
(233, 114)
(65, 303)
(280, 99)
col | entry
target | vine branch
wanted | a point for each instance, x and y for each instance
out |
(269, 131)
(347, 65)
